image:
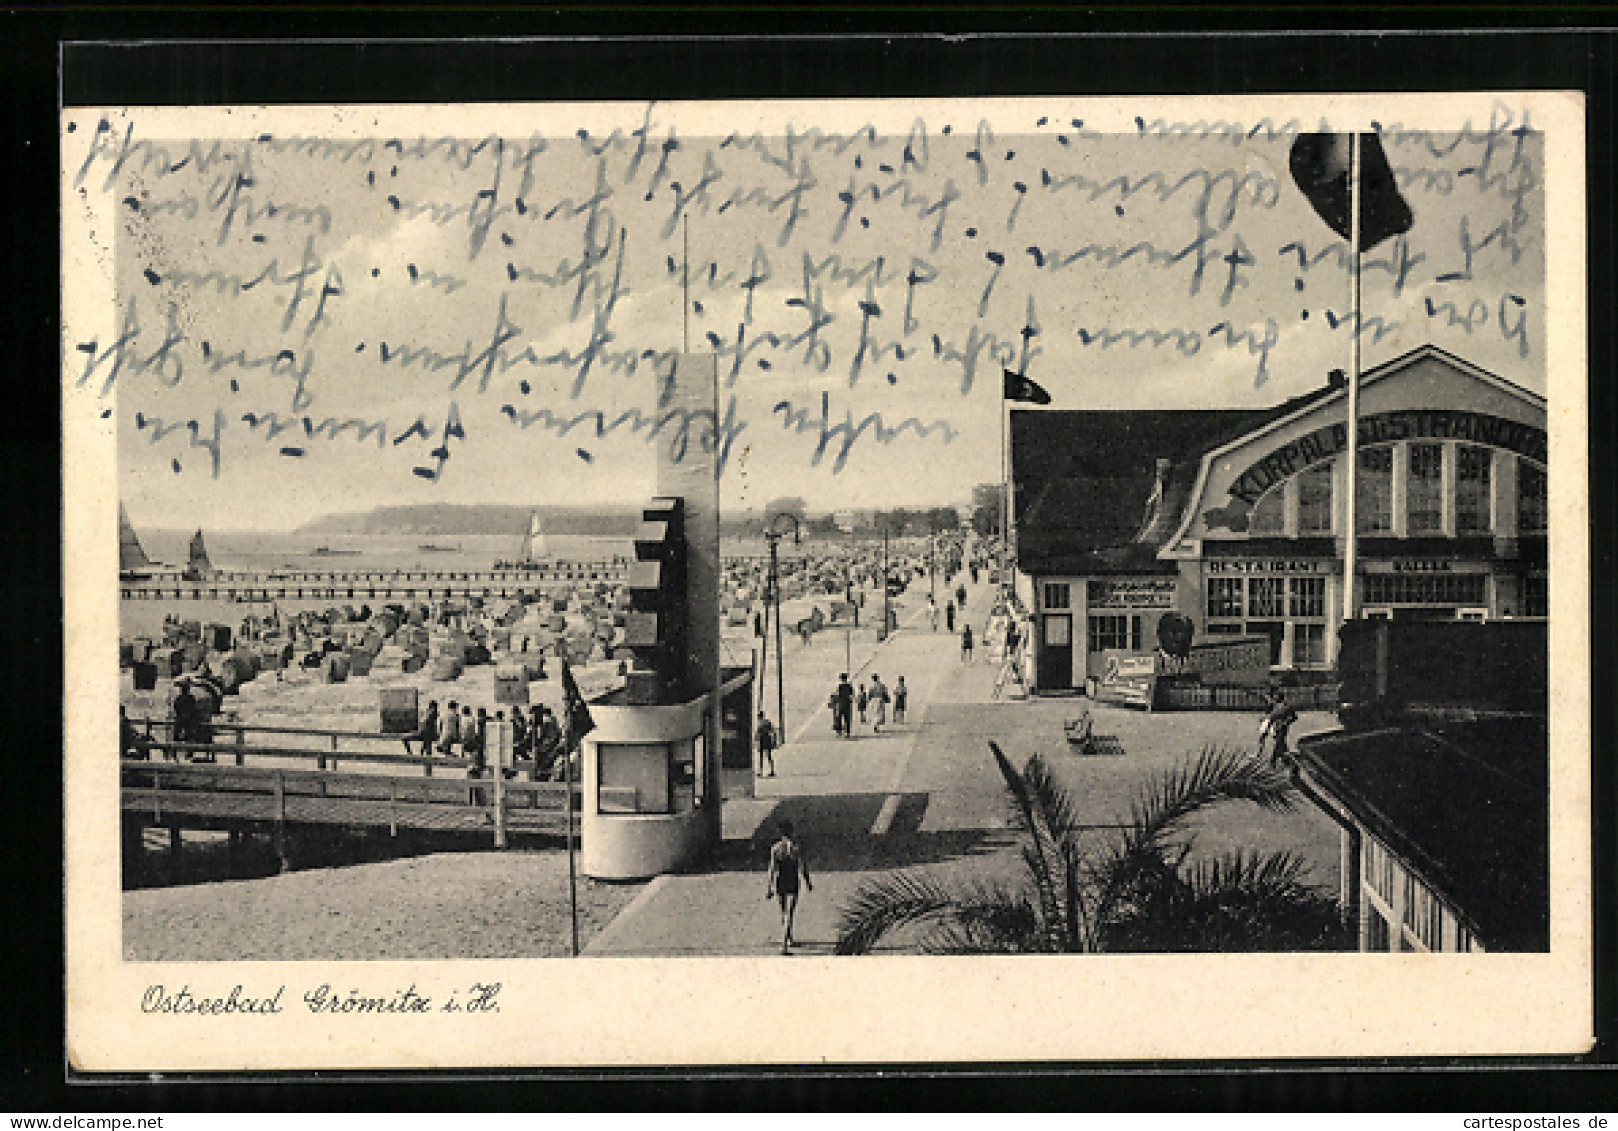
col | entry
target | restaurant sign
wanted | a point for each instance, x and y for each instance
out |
(1384, 428)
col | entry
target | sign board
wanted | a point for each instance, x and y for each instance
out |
(1385, 428)
(1230, 661)
(1128, 678)
(1131, 593)
(1269, 565)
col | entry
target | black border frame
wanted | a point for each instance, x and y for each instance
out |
(846, 53)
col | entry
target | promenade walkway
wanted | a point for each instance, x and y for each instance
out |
(925, 793)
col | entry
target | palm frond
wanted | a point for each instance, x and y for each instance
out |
(1028, 818)
(1171, 797)
(993, 920)
(1240, 901)
(1155, 840)
(991, 915)
(1053, 803)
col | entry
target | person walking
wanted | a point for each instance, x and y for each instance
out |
(787, 866)
(863, 701)
(966, 644)
(901, 697)
(845, 706)
(960, 590)
(879, 700)
(1277, 723)
(949, 616)
(451, 734)
(765, 734)
(932, 613)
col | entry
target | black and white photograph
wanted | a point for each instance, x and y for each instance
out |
(847, 580)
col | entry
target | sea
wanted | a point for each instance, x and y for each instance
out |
(278, 550)
(267, 550)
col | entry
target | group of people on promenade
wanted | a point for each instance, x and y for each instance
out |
(536, 737)
(870, 700)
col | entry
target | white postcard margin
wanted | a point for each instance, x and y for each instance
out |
(812, 1011)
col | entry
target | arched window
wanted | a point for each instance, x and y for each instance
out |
(1473, 467)
(1424, 490)
(1374, 492)
(1314, 500)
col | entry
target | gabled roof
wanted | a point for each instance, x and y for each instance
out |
(1465, 804)
(1087, 487)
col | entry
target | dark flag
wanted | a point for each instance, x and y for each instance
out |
(1320, 168)
(579, 722)
(1020, 388)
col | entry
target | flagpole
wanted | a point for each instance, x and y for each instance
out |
(572, 871)
(1351, 537)
(1005, 487)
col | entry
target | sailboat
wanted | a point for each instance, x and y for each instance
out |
(132, 559)
(533, 546)
(199, 568)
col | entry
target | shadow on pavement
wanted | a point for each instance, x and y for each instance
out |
(835, 831)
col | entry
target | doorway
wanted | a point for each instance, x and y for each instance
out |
(1056, 652)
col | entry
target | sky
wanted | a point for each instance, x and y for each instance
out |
(332, 313)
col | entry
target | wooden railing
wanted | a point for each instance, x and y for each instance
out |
(214, 782)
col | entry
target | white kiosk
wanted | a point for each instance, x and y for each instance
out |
(651, 767)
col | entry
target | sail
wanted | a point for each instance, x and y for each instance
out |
(130, 554)
(533, 543)
(200, 566)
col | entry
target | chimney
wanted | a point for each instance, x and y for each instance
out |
(1336, 379)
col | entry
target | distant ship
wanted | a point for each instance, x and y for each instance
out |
(428, 547)
(328, 552)
(199, 568)
(533, 547)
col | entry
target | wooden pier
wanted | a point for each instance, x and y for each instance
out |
(371, 584)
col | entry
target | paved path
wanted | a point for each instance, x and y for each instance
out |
(922, 794)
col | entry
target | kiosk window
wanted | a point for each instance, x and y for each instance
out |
(633, 778)
(1056, 595)
(1472, 466)
(1424, 493)
(1268, 515)
(1314, 500)
(1374, 497)
(1530, 498)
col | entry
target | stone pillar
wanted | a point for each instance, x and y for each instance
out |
(687, 467)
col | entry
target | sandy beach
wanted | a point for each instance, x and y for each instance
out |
(446, 905)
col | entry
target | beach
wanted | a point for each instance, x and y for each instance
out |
(444, 905)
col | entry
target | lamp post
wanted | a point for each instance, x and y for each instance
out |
(852, 613)
(883, 635)
(773, 536)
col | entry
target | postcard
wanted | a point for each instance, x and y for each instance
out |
(825, 582)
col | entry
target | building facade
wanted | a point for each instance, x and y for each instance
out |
(1238, 519)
